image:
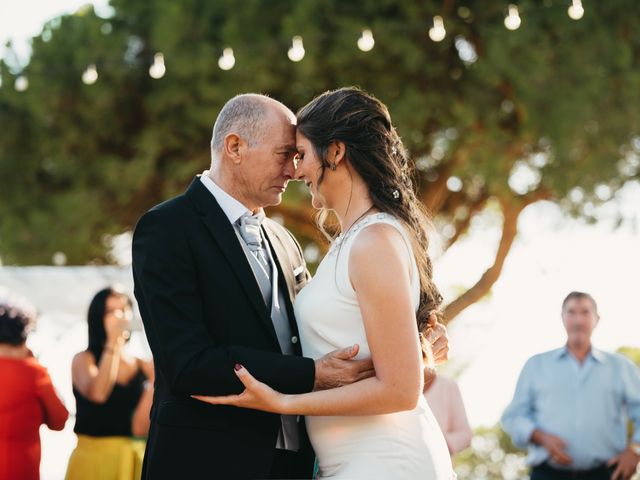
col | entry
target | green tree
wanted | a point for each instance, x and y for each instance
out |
(494, 119)
(492, 456)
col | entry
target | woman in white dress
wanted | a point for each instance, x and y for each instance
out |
(374, 287)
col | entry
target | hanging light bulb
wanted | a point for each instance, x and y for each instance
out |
(512, 21)
(21, 83)
(90, 75)
(366, 41)
(227, 60)
(575, 10)
(158, 69)
(437, 32)
(296, 52)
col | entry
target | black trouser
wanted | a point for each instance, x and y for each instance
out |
(544, 471)
(284, 465)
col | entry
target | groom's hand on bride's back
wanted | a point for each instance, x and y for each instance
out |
(339, 368)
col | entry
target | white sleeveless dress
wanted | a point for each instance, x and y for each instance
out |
(406, 445)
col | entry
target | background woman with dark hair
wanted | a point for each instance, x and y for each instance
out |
(113, 395)
(27, 397)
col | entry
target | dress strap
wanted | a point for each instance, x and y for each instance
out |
(341, 248)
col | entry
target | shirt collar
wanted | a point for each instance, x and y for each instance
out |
(231, 207)
(594, 353)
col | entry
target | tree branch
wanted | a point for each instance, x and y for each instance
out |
(511, 211)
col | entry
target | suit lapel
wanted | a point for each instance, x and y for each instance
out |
(224, 234)
(282, 259)
(286, 271)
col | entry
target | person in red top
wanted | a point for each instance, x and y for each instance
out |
(27, 397)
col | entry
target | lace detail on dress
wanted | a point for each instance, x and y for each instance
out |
(355, 228)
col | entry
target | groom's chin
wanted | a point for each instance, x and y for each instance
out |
(275, 200)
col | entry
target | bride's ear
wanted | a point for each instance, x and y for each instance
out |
(337, 152)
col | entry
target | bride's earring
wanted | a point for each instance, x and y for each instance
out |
(332, 167)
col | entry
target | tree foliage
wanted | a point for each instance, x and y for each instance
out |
(491, 117)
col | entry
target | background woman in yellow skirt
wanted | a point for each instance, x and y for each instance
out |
(113, 394)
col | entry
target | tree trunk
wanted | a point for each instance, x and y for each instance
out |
(511, 213)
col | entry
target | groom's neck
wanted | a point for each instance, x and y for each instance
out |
(230, 186)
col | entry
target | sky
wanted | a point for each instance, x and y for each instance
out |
(23, 19)
(552, 256)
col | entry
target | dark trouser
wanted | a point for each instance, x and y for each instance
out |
(285, 465)
(544, 471)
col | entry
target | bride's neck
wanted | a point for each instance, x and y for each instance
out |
(354, 204)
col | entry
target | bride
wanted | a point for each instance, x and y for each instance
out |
(372, 285)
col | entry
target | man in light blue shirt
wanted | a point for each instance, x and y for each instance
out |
(572, 404)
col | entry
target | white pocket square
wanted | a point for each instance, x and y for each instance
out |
(298, 271)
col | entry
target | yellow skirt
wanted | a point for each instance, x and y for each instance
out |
(106, 458)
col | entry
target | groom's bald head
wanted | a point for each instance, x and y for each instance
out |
(249, 116)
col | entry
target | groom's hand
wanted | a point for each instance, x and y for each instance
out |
(338, 368)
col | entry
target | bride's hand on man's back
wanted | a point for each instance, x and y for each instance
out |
(437, 336)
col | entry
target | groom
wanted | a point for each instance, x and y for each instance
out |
(215, 281)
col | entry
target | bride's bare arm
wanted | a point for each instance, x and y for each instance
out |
(380, 272)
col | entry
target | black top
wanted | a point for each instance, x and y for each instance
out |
(112, 418)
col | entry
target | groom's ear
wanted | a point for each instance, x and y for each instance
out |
(231, 146)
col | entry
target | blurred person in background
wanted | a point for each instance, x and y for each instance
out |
(445, 401)
(572, 405)
(113, 392)
(27, 396)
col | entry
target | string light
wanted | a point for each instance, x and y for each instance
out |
(227, 60)
(512, 20)
(158, 69)
(296, 52)
(576, 11)
(90, 75)
(21, 83)
(366, 41)
(437, 32)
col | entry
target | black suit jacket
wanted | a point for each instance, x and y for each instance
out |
(203, 312)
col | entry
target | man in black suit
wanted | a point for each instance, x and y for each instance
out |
(211, 296)
(215, 282)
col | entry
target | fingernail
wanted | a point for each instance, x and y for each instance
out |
(237, 367)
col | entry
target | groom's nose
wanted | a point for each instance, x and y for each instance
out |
(289, 170)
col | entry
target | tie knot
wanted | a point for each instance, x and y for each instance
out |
(249, 226)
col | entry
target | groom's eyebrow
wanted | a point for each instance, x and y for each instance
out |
(287, 148)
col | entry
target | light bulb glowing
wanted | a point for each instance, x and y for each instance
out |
(296, 52)
(227, 60)
(366, 41)
(21, 84)
(575, 10)
(437, 32)
(512, 21)
(90, 75)
(158, 69)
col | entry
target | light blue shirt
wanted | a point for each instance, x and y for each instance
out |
(587, 405)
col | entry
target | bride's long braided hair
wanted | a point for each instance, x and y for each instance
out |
(375, 151)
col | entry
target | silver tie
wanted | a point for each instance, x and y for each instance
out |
(249, 226)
